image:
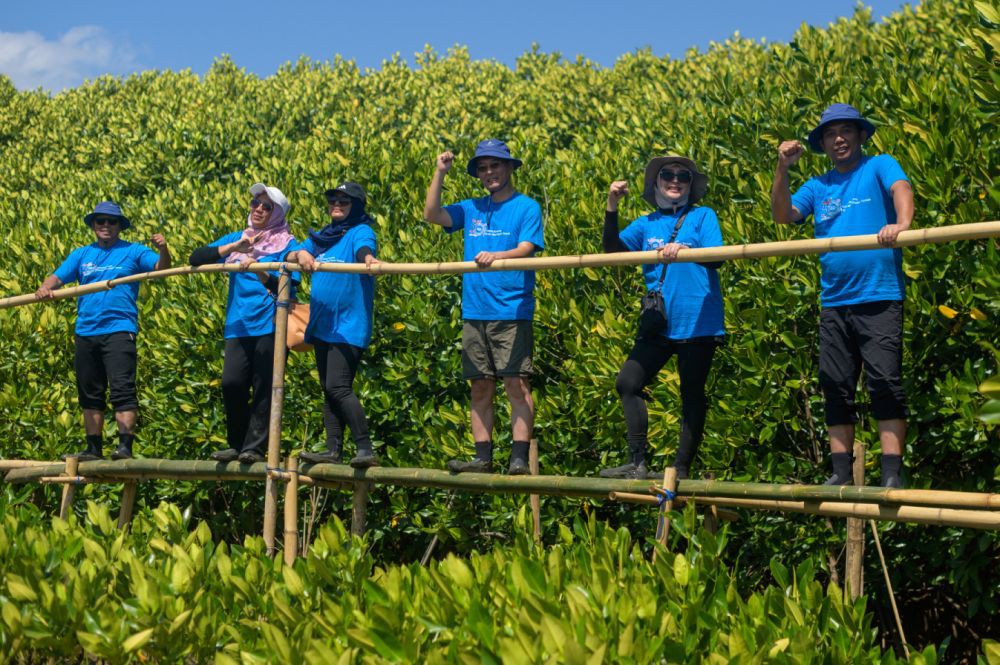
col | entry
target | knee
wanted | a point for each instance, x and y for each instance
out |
(232, 386)
(628, 384)
(888, 400)
(518, 390)
(483, 391)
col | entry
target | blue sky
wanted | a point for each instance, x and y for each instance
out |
(60, 44)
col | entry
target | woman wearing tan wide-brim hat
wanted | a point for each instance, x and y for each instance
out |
(692, 301)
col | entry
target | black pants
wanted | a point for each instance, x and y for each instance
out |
(337, 365)
(694, 359)
(246, 391)
(868, 335)
(103, 362)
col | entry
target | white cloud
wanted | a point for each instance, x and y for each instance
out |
(83, 52)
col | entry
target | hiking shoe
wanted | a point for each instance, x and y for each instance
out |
(627, 472)
(225, 456)
(251, 457)
(85, 456)
(475, 465)
(518, 467)
(321, 458)
(835, 479)
(364, 460)
(122, 452)
(893, 482)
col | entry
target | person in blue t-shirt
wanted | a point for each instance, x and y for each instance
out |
(861, 322)
(249, 331)
(497, 307)
(692, 300)
(341, 307)
(106, 324)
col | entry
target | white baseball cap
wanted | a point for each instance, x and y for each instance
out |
(273, 193)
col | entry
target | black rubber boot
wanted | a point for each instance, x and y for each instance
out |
(635, 468)
(481, 463)
(124, 449)
(225, 456)
(519, 459)
(332, 455)
(842, 473)
(251, 456)
(364, 459)
(92, 452)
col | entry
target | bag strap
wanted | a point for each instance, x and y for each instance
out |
(673, 236)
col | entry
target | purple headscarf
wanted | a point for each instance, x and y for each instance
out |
(273, 238)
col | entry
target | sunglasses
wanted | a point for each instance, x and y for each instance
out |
(111, 221)
(339, 202)
(667, 175)
(267, 205)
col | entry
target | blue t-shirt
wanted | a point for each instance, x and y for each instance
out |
(249, 305)
(341, 305)
(505, 295)
(113, 310)
(691, 292)
(855, 203)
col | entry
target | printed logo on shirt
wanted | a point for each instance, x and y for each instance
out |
(327, 258)
(831, 208)
(479, 228)
(89, 268)
(654, 243)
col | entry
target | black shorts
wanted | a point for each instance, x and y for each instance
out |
(104, 361)
(868, 335)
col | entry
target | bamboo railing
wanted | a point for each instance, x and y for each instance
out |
(909, 238)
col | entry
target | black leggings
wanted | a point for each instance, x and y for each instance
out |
(694, 359)
(337, 365)
(246, 391)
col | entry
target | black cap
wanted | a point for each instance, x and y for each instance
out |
(352, 189)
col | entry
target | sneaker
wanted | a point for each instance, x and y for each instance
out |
(225, 456)
(321, 458)
(85, 456)
(475, 465)
(251, 457)
(626, 472)
(893, 482)
(364, 460)
(518, 467)
(835, 479)
(122, 452)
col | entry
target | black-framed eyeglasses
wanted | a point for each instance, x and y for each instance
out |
(110, 221)
(666, 175)
(267, 205)
(343, 202)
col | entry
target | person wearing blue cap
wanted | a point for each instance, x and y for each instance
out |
(497, 307)
(106, 324)
(861, 321)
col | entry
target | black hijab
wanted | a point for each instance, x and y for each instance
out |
(330, 234)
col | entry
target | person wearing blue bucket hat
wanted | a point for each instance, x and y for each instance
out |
(861, 320)
(497, 307)
(106, 324)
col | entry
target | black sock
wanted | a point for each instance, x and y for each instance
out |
(842, 465)
(95, 443)
(891, 466)
(519, 451)
(637, 453)
(484, 451)
(125, 440)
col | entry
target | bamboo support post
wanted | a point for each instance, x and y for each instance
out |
(712, 512)
(291, 511)
(128, 503)
(909, 238)
(359, 507)
(72, 466)
(663, 520)
(277, 403)
(536, 503)
(854, 565)
(287, 475)
(888, 585)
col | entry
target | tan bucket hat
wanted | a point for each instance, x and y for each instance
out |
(699, 184)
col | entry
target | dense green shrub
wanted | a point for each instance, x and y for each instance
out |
(179, 151)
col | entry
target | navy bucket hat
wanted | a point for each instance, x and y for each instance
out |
(491, 148)
(107, 209)
(836, 113)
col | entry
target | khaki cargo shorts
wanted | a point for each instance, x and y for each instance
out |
(496, 349)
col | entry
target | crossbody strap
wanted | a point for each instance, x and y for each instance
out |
(673, 236)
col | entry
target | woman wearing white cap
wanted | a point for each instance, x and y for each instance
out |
(692, 302)
(249, 330)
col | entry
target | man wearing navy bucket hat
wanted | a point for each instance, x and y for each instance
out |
(106, 324)
(861, 321)
(497, 307)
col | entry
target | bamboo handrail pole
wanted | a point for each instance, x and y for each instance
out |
(128, 504)
(72, 469)
(649, 500)
(8, 464)
(291, 511)
(277, 404)
(534, 499)
(68, 480)
(888, 584)
(910, 238)
(288, 475)
(854, 563)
